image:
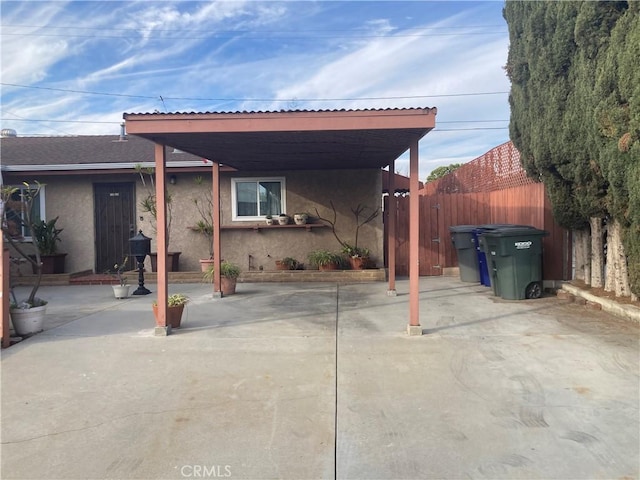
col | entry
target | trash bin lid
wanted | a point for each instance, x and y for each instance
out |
(462, 228)
(515, 231)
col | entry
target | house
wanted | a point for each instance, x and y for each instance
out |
(92, 185)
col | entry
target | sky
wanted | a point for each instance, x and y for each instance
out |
(74, 68)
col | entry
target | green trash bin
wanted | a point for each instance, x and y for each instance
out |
(463, 239)
(514, 256)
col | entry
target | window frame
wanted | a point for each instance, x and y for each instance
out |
(40, 201)
(234, 200)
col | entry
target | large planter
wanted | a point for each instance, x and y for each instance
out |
(328, 266)
(29, 320)
(228, 285)
(174, 315)
(173, 263)
(358, 263)
(121, 291)
(205, 264)
(51, 264)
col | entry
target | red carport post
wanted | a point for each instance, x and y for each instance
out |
(162, 329)
(215, 177)
(391, 229)
(414, 327)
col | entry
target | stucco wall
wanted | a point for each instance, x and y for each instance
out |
(305, 191)
(71, 197)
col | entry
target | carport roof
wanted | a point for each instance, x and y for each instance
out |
(291, 139)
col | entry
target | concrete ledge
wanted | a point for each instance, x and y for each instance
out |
(333, 276)
(583, 297)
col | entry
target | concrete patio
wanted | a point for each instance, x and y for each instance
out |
(316, 380)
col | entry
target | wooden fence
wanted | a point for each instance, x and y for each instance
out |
(524, 204)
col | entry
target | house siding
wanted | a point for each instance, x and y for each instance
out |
(71, 198)
(305, 191)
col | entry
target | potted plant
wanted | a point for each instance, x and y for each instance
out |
(287, 263)
(47, 236)
(16, 212)
(283, 219)
(229, 273)
(270, 220)
(204, 226)
(301, 218)
(176, 303)
(324, 260)
(122, 289)
(148, 205)
(358, 257)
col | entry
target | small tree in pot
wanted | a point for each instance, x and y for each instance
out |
(204, 226)
(17, 216)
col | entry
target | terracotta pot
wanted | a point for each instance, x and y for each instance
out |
(357, 263)
(174, 315)
(228, 285)
(328, 266)
(206, 263)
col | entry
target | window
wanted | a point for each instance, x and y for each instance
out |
(254, 198)
(16, 216)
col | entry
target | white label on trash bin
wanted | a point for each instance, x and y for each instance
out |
(523, 245)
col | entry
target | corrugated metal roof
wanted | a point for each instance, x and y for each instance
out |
(250, 112)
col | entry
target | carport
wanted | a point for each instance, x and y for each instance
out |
(301, 140)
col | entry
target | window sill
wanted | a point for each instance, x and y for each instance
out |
(258, 228)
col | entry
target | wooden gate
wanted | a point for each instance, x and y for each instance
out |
(115, 223)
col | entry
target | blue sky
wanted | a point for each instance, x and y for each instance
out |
(75, 67)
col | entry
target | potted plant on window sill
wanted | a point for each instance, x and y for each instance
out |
(301, 218)
(229, 273)
(283, 219)
(27, 315)
(175, 304)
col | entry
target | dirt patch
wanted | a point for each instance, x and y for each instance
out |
(599, 292)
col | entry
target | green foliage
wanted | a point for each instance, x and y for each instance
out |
(290, 263)
(440, 172)
(227, 269)
(321, 258)
(47, 236)
(352, 251)
(174, 300)
(575, 103)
